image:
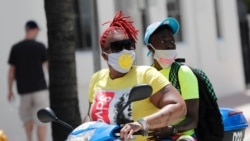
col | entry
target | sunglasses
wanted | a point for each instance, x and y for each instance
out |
(117, 46)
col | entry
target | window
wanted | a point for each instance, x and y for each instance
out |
(82, 21)
(173, 10)
(217, 18)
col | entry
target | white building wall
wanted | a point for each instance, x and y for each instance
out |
(13, 15)
(230, 73)
(213, 53)
(219, 58)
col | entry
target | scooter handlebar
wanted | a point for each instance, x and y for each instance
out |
(117, 132)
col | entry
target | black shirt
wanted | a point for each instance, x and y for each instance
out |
(28, 57)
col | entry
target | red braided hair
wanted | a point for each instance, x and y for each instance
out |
(122, 24)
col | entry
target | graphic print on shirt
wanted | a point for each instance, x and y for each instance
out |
(107, 104)
(127, 113)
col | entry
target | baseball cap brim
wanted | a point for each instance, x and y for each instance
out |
(171, 22)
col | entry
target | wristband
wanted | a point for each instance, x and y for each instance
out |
(144, 126)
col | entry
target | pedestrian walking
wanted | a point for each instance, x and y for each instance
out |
(26, 61)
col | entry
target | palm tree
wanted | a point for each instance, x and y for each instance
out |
(62, 67)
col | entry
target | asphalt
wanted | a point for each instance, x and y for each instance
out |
(10, 123)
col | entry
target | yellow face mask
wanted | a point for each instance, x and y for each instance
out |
(121, 61)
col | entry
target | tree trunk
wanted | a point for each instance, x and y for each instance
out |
(62, 67)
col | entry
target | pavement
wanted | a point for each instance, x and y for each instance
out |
(10, 123)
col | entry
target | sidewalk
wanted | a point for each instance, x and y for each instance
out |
(240, 102)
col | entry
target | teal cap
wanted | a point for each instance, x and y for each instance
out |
(171, 22)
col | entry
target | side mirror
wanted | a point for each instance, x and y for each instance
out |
(46, 115)
(138, 92)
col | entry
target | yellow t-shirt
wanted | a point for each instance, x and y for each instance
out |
(188, 85)
(107, 96)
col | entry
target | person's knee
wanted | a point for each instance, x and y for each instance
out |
(29, 125)
(42, 126)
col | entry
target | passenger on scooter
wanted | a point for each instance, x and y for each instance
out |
(110, 87)
(159, 38)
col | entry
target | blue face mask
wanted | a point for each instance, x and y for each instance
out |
(121, 61)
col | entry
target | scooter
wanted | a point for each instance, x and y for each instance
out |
(235, 122)
(94, 130)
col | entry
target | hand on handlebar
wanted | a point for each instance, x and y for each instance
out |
(129, 129)
(158, 134)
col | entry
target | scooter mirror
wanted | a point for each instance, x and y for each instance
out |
(140, 92)
(46, 115)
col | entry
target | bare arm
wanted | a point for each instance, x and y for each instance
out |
(11, 78)
(172, 107)
(87, 118)
(190, 122)
(191, 119)
(46, 64)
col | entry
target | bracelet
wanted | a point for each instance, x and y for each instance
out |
(144, 126)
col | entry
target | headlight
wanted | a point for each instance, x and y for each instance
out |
(81, 135)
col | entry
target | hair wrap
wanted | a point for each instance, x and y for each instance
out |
(122, 24)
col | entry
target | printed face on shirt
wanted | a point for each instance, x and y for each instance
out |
(107, 104)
